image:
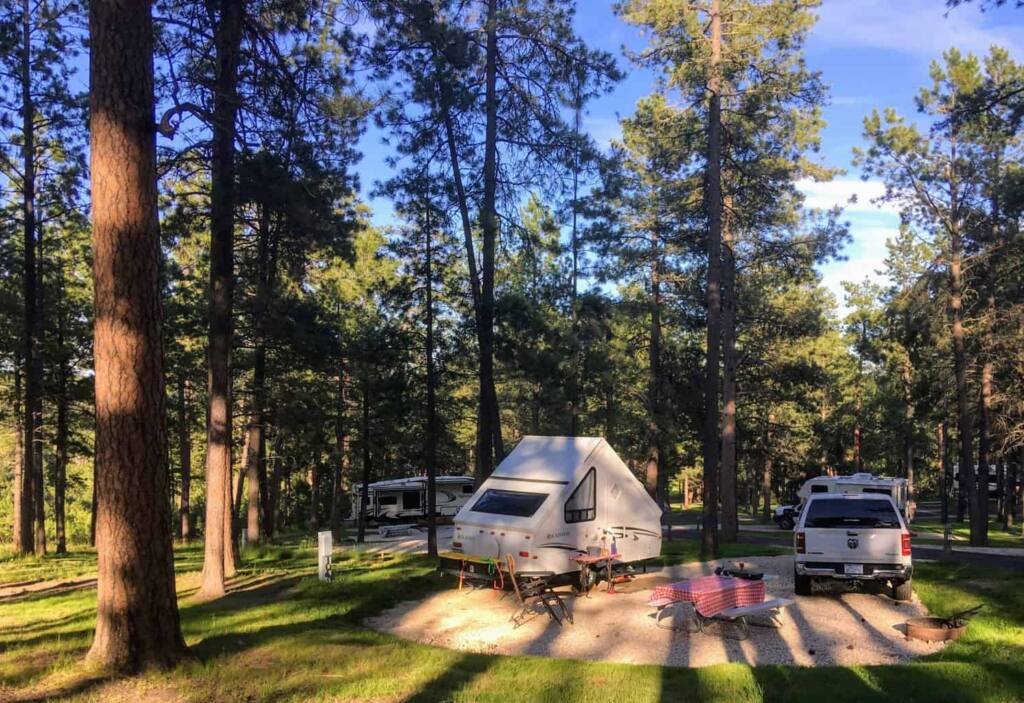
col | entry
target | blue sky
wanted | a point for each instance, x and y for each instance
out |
(872, 54)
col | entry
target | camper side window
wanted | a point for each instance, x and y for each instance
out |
(582, 504)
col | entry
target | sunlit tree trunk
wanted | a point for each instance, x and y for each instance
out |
(713, 205)
(137, 622)
(730, 517)
(218, 559)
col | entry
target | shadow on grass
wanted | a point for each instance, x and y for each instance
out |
(453, 679)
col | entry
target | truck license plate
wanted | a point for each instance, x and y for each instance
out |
(853, 569)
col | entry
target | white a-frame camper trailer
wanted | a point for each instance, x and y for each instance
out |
(554, 498)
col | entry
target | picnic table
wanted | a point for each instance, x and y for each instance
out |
(724, 598)
(591, 566)
(711, 595)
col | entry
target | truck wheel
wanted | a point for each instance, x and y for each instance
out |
(902, 591)
(786, 522)
(801, 584)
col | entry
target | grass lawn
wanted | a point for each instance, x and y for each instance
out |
(280, 635)
(933, 530)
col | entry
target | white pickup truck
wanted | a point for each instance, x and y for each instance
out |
(852, 537)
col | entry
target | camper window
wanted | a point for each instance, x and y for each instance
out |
(515, 503)
(387, 500)
(410, 500)
(819, 489)
(582, 504)
(468, 488)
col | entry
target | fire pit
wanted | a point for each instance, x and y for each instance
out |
(939, 629)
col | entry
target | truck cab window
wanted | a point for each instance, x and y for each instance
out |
(582, 504)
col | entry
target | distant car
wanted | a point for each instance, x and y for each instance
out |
(785, 516)
(852, 537)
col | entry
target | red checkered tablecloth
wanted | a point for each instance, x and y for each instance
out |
(711, 595)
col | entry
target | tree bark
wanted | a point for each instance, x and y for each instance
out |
(653, 468)
(730, 517)
(766, 470)
(314, 495)
(431, 443)
(968, 485)
(256, 457)
(34, 538)
(713, 205)
(22, 536)
(984, 451)
(341, 457)
(185, 458)
(137, 623)
(60, 468)
(273, 490)
(908, 434)
(364, 440)
(943, 472)
(489, 445)
(218, 559)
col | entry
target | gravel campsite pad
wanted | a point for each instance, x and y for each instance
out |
(831, 627)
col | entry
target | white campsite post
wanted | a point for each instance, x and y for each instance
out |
(243, 538)
(324, 548)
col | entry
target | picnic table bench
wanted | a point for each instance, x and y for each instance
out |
(718, 598)
(386, 531)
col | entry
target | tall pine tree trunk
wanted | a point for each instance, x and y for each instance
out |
(766, 469)
(364, 440)
(33, 538)
(22, 536)
(341, 449)
(943, 472)
(653, 467)
(431, 448)
(965, 424)
(730, 517)
(713, 205)
(60, 468)
(984, 450)
(137, 622)
(218, 559)
(185, 458)
(908, 433)
(488, 430)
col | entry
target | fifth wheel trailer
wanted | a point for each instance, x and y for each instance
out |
(555, 498)
(406, 498)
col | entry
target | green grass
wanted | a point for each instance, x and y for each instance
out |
(680, 551)
(933, 531)
(280, 635)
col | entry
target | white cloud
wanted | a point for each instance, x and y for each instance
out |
(855, 269)
(843, 100)
(839, 192)
(921, 27)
